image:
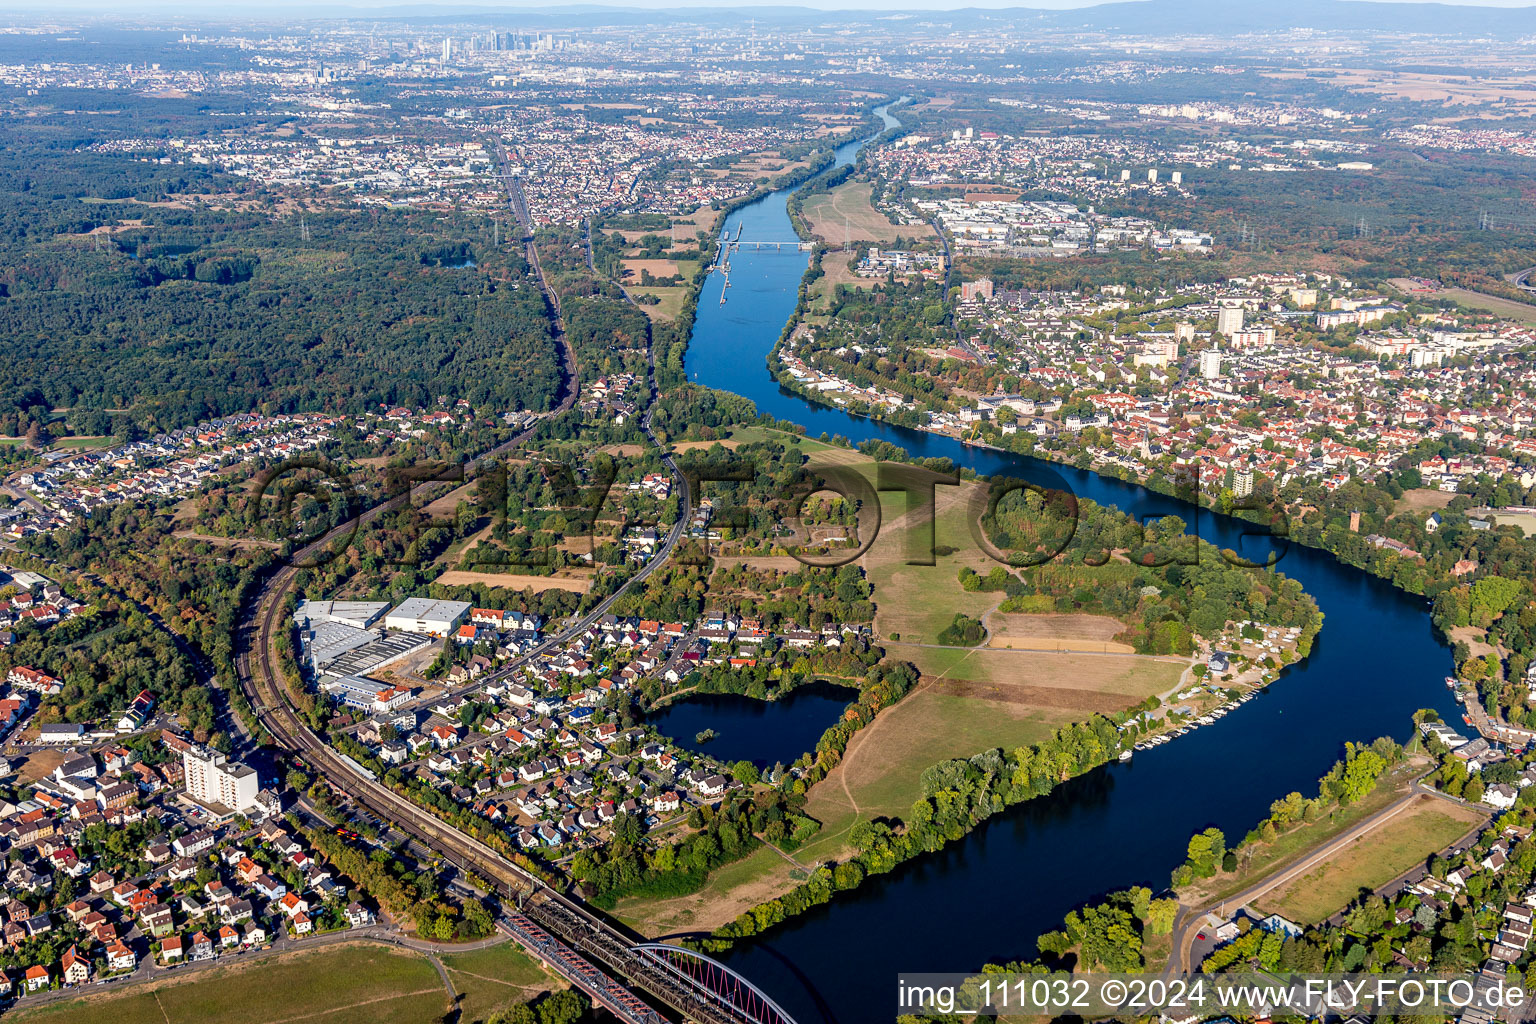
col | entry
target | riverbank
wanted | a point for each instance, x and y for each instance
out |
(972, 702)
(1225, 775)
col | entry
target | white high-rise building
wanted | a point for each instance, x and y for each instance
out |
(1229, 320)
(1242, 482)
(1152, 175)
(447, 50)
(211, 778)
(1210, 363)
(1125, 175)
(1178, 177)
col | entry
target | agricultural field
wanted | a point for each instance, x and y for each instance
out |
(1081, 682)
(1056, 632)
(1371, 860)
(635, 270)
(513, 581)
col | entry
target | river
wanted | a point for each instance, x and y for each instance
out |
(986, 897)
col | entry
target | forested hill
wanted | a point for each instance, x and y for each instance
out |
(210, 313)
(187, 299)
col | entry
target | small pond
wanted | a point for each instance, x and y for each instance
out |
(748, 729)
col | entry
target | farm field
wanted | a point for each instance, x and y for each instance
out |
(513, 581)
(359, 983)
(703, 219)
(1056, 632)
(1077, 682)
(1371, 860)
(635, 269)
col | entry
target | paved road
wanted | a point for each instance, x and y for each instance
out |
(1190, 919)
(554, 910)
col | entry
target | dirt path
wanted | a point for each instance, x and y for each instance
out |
(442, 972)
(862, 737)
(503, 982)
(786, 858)
(353, 1006)
(1187, 924)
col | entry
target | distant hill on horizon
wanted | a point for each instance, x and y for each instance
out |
(1125, 17)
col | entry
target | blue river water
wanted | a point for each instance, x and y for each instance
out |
(986, 897)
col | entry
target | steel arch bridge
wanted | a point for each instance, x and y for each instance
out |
(716, 983)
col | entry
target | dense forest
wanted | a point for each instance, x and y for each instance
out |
(201, 314)
(124, 295)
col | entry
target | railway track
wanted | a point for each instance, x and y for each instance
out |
(563, 917)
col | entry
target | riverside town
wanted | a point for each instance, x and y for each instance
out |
(539, 514)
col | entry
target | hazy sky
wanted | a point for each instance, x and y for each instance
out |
(289, 6)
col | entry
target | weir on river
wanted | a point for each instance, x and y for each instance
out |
(986, 897)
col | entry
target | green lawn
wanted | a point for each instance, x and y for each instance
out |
(363, 983)
(759, 875)
(916, 602)
(492, 978)
(1293, 845)
(1371, 860)
(672, 299)
(880, 776)
(747, 435)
